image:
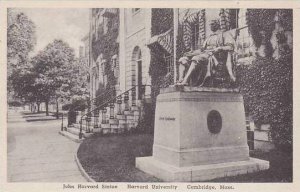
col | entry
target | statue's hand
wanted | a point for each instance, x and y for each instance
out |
(217, 49)
(188, 54)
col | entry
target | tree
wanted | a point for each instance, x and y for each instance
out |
(21, 39)
(22, 82)
(79, 78)
(54, 68)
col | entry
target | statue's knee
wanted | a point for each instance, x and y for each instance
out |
(184, 61)
(198, 58)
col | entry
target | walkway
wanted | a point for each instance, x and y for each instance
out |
(37, 153)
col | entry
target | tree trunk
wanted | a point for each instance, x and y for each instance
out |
(57, 115)
(47, 107)
(38, 107)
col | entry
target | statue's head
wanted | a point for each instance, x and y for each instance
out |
(214, 25)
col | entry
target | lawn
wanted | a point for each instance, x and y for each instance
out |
(112, 159)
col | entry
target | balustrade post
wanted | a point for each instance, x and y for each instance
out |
(133, 96)
(112, 108)
(126, 98)
(80, 130)
(96, 118)
(119, 102)
(94, 104)
(88, 121)
(62, 121)
(104, 115)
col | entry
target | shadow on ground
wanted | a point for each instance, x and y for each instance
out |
(112, 159)
(41, 116)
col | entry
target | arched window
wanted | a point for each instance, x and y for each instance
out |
(137, 75)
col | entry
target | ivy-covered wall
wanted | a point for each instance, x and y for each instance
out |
(162, 21)
(267, 84)
(107, 45)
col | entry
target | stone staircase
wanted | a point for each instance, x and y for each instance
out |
(115, 118)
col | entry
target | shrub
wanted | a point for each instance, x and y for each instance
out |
(66, 107)
(267, 88)
(77, 104)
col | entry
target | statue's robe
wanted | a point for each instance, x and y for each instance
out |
(205, 59)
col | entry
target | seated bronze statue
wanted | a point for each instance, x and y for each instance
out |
(215, 58)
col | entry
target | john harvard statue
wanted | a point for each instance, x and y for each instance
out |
(213, 63)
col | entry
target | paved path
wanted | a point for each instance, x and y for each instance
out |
(37, 153)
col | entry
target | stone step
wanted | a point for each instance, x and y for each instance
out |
(128, 113)
(122, 126)
(105, 126)
(114, 126)
(129, 117)
(122, 121)
(132, 125)
(106, 131)
(84, 127)
(97, 130)
(113, 121)
(70, 136)
(134, 108)
(121, 117)
(136, 117)
(76, 132)
(136, 112)
(114, 130)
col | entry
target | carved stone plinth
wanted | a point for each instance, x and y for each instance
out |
(200, 134)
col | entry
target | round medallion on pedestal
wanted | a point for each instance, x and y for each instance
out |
(214, 122)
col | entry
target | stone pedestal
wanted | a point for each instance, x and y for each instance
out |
(200, 134)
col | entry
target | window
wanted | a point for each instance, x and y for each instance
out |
(245, 45)
(105, 29)
(135, 10)
(169, 62)
(233, 18)
(195, 36)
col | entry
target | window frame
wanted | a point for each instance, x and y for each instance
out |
(135, 11)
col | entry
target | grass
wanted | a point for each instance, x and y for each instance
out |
(281, 169)
(112, 159)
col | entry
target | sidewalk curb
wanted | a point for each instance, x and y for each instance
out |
(81, 169)
(71, 138)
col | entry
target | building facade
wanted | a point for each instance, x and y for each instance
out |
(142, 37)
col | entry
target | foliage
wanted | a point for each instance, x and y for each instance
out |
(267, 88)
(54, 68)
(78, 79)
(285, 19)
(107, 45)
(21, 39)
(78, 104)
(22, 82)
(161, 21)
(260, 20)
(15, 104)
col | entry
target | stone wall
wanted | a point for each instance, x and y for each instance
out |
(136, 31)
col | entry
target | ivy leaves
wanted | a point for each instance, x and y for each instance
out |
(267, 88)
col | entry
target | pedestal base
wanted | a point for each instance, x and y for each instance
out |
(171, 173)
(199, 134)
